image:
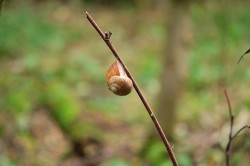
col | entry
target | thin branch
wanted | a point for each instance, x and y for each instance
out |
(106, 37)
(228, 103)
(231, 136)
(231, 129)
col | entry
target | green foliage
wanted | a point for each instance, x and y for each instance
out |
(126, 5)
(29, 77)
(18, 102)
(156, 154)
(152, 67)
(247, 144)
(224, 32)
(84, 129)
(64, 106)
(24, 32)
(17, 91)
(184, 159)
(6, 161)
(115, 162)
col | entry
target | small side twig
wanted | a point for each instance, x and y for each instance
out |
(248, 51)
(238, 132)
(106, 37)
(231, 136)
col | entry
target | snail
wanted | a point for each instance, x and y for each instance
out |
(118, 81)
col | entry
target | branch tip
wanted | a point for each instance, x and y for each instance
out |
(248, 51)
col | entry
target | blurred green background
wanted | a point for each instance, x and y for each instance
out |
(55, 108)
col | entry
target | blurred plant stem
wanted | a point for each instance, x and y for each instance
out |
(175, 65)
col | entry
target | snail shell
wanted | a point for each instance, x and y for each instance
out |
(117, 80)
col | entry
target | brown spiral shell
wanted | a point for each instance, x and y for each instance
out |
(117, 80)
